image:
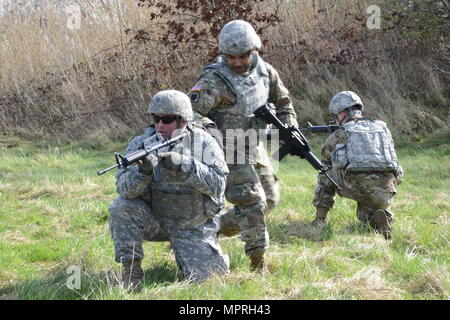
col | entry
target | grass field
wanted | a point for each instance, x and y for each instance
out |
(54, 215)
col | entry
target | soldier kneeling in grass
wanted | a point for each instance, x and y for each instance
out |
(175, 195)
(363, 162)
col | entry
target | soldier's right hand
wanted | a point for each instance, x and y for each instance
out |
(149, 163)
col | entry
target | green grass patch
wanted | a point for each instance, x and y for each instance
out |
(54, 215)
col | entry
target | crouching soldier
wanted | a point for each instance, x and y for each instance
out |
(364, 163)
(174, 195)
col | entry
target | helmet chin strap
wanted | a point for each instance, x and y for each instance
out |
(178, 122)
(346, 118)
(338, 122)
(254, 57)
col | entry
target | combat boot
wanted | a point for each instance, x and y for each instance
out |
(132, 275)
(257, 262)
(381, 223)
(321, 215)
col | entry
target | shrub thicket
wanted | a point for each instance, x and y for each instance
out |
(71, 82)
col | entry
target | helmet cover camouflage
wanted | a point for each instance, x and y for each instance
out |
(238, 37)
(344, 100)
(172, 102)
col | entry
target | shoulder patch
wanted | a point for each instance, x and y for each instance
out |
(197, 87)
(194, 96)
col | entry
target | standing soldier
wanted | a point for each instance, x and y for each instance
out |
(231, 221)
(228, 92)
(364, 163)
(173, 196)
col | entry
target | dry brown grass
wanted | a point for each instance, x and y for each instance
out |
(399, 88)
(431, 284)
(366, 284)
(72, 83)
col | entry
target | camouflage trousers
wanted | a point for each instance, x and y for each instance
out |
(197, 251)
(267, 177)
(373, 191)
(244, 190)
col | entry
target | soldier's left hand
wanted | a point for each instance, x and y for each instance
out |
(171, 160)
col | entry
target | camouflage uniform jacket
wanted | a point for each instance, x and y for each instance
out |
(339, 137)
(186, 199)
(211, 93)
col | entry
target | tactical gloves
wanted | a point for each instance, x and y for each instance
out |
(149, 163)
(171, 161)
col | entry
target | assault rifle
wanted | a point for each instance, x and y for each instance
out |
(134, 157)
(320, 129)
(295, 142)
(313, 129)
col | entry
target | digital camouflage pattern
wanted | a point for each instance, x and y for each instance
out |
(250, 90)
(238, 37)
(244, 190)
(369, 147)
(233, 221)
(171, 102)
(211, 94)
(219, 96)
(267, 177)
(373, 190)
(182, 208)
(344, 100)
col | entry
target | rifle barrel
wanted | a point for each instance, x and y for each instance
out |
(106, 170)
(133, 157)
(320, 129)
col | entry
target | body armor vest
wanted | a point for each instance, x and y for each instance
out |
(369, 148)
(251, 91)
(172, 201)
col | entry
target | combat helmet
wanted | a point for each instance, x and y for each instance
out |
(237, 37)
(346, 100)
(172, 102)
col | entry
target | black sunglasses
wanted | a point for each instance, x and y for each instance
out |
(164, 119)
